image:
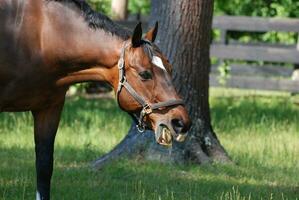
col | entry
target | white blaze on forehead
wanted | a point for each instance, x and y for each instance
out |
(158, 62)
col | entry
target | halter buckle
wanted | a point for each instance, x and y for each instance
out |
(124, 79)
(147, 109)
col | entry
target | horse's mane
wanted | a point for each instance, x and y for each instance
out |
(98, 20)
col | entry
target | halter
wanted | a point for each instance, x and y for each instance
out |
(147, 108)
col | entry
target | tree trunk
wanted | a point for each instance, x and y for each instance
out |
(184, 36)
(119, 9)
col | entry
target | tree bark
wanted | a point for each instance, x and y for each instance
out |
(119, 9)
(184, 36)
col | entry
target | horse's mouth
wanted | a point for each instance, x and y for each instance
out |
(165, 136)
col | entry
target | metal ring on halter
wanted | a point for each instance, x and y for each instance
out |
(147, 108)
(140, 128)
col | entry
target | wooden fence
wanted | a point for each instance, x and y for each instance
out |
(266, 77)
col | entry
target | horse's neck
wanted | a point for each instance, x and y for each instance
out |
(68, 43)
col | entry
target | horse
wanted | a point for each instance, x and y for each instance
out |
(48, 45)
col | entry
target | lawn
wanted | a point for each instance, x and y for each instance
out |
(260, 130)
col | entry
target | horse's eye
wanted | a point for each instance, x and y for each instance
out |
(146, 75)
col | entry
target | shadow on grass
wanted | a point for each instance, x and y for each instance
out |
(74, 179)
(17, 170)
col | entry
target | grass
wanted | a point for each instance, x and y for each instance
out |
(259, 130)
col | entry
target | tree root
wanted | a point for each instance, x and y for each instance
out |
(143, 145)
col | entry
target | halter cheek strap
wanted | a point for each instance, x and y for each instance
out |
(147, 108)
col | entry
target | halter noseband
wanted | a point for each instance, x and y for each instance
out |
(147, 108)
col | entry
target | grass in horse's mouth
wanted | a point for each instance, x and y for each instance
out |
(166, 136)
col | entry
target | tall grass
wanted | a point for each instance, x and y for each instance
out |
(259, 130)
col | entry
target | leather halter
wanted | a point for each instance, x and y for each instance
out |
(147, 108)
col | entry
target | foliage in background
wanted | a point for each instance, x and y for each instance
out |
(135, 6)
(260, 8)
(139, 6)
(101, 5)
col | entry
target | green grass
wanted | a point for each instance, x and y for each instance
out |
(259, 130)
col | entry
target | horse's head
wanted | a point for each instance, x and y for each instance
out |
(146, 91)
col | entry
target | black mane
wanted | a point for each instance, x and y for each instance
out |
(98, 20)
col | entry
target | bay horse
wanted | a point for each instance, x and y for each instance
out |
(48, 45)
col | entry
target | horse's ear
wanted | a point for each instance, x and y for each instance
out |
(137, 35)
(152, 34)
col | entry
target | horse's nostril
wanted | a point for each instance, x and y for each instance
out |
(178, 125)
